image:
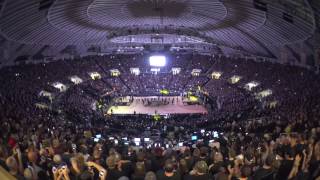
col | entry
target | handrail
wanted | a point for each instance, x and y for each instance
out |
(5, 174)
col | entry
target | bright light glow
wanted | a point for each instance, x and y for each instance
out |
(164, 92)
(42, 106)
(157, 61)
(98, 136)
(135, 71)
(176, 71)
(249, 86)
(235, 79)
(60, 86)
(195, 72)
(264, 93)
(273, 104)
(155, 70)
(216, 75)
(46, 94)
(95, 75)
(193, 98)
(76, 80)
(215, 134)
(115, 72)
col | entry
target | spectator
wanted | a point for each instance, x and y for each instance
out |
(168, 172)
(200, 172)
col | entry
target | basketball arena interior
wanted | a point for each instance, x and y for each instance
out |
(160, 89)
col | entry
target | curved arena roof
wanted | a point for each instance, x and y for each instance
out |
(260, 27)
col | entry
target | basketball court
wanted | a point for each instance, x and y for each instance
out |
(158, 105)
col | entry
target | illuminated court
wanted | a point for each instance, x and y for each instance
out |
(158, 105)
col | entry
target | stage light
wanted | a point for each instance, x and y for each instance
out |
(157, 61)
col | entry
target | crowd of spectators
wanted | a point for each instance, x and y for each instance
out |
(239, 138)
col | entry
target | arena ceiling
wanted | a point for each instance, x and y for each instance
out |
(51, 27)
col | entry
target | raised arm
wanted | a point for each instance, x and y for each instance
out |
(102, 171)
(295, 169)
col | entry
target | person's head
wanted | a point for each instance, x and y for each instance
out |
(150, 176)
(293, 139)
(57, 159)
(32, 156)
(269, 160)
(245, 171)
(55, 143)
(217, 157)
(140, 168)
(183, 166)
(196, 152)
(28, 174)
(111, 162)
(83, 149)
(140, 156)
(187, 153)
(288, 153)
(168, 166)
(203, 151)
(79, 161)
(85, 176)
(201, 167)
(117, 157)
(12, 163)
(112, 151)
(97, 153)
